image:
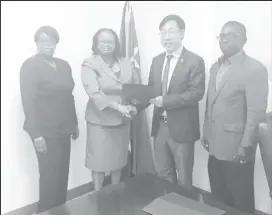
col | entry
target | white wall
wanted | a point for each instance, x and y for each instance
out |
(76, 23)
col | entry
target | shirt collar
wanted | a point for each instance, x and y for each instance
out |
(233, 59)
(176, 53)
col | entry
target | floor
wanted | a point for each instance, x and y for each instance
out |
(263, 203)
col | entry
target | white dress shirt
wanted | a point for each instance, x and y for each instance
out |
(226, 67)
(173, 62)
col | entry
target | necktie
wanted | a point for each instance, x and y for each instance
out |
(165, 75)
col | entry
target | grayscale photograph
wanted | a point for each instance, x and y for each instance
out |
(136, 108)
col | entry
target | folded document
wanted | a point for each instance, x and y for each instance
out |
(137, 93)
(175, 204)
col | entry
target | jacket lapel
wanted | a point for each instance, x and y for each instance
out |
(212, 86)
(104, 68)
(229, 74)
(178, 68)
(158, 72)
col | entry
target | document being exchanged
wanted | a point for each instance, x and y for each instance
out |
(138, 93)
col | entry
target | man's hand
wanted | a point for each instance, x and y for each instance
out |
(205, 144)
(75, 134)
(240, 156)
(40, 145)
(124, 110)
(157, 101)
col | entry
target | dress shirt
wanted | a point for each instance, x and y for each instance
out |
(226, 64)
(173, 62)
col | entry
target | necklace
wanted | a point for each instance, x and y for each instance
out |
(52, 64)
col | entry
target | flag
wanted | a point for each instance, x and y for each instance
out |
(141, 152)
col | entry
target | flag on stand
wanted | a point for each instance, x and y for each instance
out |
(141, 152)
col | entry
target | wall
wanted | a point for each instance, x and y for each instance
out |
(76, 23)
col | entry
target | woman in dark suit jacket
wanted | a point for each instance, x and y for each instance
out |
(46, 86)
(106, 113)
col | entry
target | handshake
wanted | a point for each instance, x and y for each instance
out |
(127, 110)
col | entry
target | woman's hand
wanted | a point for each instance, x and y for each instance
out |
(40, 145)
(75, 134)
(132, 110)
(124, 110)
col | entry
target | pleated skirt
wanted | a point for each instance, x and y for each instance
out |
(107, 147)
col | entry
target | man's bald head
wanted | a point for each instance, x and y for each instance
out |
(232, 38)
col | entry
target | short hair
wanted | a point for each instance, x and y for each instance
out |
(48, 30)
(180, 22)
(117, 50)
(237, 24)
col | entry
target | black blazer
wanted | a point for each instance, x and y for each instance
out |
(47, 98)
(186, 89)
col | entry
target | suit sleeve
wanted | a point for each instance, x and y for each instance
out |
(91, 85)
(141, 107)
(73, 98)
(206, 114)
(206, 120)
(256, 92)
(28, 87)
(193, 94)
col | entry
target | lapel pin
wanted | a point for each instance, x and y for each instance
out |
(181, 60)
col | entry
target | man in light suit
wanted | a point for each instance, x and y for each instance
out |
(178, 79)
(236, 101)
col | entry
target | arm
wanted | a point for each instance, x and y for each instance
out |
(256, 91)
(205, 124)
(90, 83)
(193, 94)
(73, 99)
(28, 87)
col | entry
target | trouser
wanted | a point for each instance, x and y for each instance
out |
(54, 171)
(232, 183)
(172, 157)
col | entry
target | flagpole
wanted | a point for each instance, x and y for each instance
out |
(127, 56)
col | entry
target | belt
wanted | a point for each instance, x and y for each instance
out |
(163, 118)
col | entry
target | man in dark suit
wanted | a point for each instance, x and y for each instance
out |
(178, 79)
(236, 101)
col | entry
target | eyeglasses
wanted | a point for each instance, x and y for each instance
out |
(46, 43)
(106, 42)
(170, 33)
(229, 36)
